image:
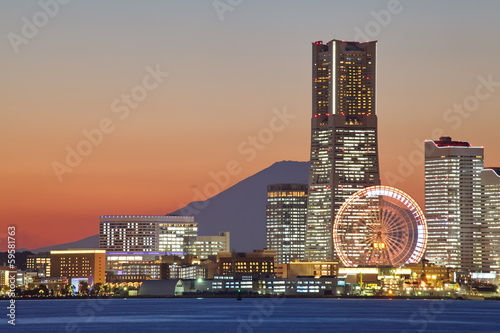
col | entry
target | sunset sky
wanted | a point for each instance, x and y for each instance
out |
(218, 74)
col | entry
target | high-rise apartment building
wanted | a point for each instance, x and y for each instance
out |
(145, 233)
(344, 150)
(453, 203)
(490, 179)
(286, 213)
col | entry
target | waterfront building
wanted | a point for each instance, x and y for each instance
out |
(77, 265)
(256, 262)
(307, 268)
(302, 286)
(245, 284)
(39, 263)
(140, 266)
(431, 273)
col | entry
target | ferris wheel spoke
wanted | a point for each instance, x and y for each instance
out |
(396, 237)
(393, 254)
(368, 252)
(367, 240)
(395, 240)
(366, 223)
(390, 219)
(379, 208)
(389, 207)
(385, 208)
(396, 230)
(395, 223)
(393, 244)
(374, 219)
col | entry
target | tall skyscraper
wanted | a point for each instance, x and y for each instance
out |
(490, 179)
(453, 203)
(344, 150)
(286, 212)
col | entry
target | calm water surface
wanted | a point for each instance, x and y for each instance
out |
(252, 315)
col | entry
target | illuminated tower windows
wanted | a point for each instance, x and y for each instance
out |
(286, 221)
(344, 150)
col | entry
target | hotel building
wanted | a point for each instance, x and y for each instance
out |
(344, 150)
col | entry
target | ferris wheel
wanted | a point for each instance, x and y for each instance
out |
(379, 225)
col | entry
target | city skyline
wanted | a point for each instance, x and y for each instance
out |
(69, 78)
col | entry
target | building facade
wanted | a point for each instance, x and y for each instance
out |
(257, 262)
(175, 236)
(204, 246)
(490, 180)
(145, 233)
(344, 149)
(6, 276)
(88, 265)
(453, 206)
(307, 268)
(39, 263)
(140, 266)
(286, 213)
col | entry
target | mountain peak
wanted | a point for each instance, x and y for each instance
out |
(241, 209)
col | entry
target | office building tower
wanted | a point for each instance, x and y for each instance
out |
(344, 151)
(453, 203)
(145, 233)
(286, 213)
(490, 179)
